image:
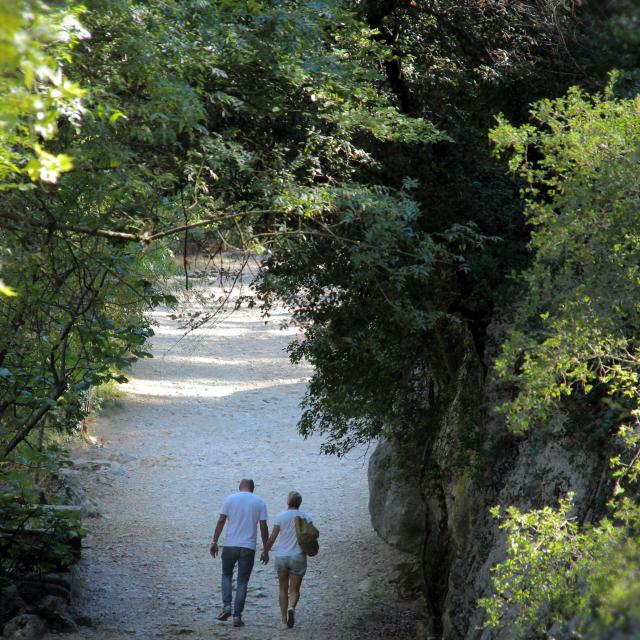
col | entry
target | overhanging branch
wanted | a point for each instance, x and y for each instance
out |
(145, 238)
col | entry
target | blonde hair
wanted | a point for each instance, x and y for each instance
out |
(294, 499)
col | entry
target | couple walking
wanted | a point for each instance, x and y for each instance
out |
(243, 512)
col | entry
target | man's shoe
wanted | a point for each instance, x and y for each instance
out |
(225, 614)
(291, 617)
(237, 621)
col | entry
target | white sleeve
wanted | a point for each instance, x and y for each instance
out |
(224, 509)
(263, 512)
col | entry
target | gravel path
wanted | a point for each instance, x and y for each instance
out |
(205, 411)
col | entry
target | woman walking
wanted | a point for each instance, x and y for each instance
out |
(291, 561)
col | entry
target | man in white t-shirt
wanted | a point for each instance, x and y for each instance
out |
(243, 511)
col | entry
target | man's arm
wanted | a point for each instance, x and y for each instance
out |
(268, 543)
(264, 532)
(213, 549)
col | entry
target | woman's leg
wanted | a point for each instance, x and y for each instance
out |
(294, 589)
(283, 579)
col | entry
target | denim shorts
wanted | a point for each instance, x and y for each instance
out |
(297, 565)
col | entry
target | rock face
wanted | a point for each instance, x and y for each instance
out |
(470, 462)
(395, 504)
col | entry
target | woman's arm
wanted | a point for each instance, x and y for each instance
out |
(272, 538)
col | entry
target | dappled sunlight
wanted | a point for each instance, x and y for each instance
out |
(237, 354)
(210, 407)
(215, 361)
(202, 388)
(172, 340)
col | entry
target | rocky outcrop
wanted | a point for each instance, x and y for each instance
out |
(395, 504)
(469, 462)
(36, 603)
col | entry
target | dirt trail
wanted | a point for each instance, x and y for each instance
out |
(204, 412)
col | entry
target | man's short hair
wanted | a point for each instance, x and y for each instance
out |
(294, 499)
(249, 483)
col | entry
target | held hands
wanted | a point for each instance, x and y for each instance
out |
(213, 550)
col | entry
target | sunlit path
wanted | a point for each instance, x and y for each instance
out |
(207, 410)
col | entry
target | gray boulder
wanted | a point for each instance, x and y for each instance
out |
(24, 627)
(10, 603)
(396, 507)
(54, 610)
(34, 590)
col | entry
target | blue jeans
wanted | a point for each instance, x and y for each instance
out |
(244, 558)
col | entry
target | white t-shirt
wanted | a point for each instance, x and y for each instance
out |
(287, 541)
(243, 510)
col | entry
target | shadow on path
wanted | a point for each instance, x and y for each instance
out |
(215, 407)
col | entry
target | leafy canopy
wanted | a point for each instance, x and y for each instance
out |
(578, 324)
(35, 42)
(576, 332)
(229, 113)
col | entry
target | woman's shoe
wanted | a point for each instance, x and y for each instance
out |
(291, 617)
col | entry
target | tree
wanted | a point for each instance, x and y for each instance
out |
(576, 334)
(193, 114)
(35, 92)
(406, 282)
(578, 323)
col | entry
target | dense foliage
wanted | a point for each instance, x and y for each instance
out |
(576, 332)
(583, 580)
(34, 40)
(360, 288)
(348, 142)
(149, 120)
(35, 93)
(191, 114)
(458, 65)
(578, 324)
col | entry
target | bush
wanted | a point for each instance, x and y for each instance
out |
(38, 534)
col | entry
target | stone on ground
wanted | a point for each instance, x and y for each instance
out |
(26, 626)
